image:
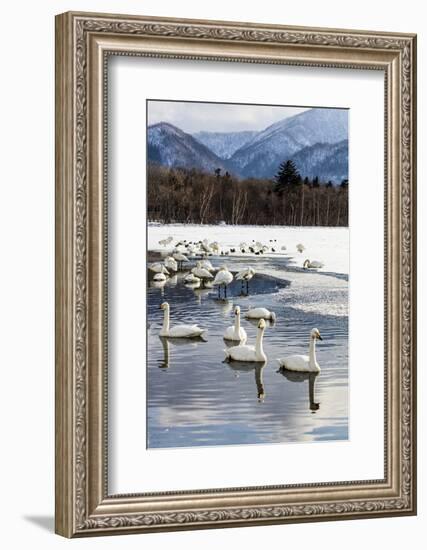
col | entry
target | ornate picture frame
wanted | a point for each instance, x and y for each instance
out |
(84, 42)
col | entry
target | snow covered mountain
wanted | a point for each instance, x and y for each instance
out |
(224, 144)
(170, 146)
(317, 141)
(282, 140)
(329, 161)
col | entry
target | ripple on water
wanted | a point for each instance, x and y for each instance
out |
(194, 398)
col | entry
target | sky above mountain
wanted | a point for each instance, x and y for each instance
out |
(194, 117)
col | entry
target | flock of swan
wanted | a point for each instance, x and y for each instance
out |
(204, 275)
(242, 351)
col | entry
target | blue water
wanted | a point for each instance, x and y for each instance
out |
(194, 398)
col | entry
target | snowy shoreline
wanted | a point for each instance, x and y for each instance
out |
(330, 245)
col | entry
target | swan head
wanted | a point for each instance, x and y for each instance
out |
(165, 305)
(306, 264)
(237, 310)
(261, 324)
(273, 316)
(315, 334)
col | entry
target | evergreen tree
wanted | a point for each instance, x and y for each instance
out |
(287, 176)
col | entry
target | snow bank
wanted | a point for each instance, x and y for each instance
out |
(329, 245)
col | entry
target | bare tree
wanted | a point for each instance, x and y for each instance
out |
(192, 196)
(205, 201)
(240, 199)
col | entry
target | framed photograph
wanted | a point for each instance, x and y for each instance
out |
(235, 274)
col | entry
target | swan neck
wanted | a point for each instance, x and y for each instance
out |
(258, 344)
(237, 324)
(165, 328)
(312, 351)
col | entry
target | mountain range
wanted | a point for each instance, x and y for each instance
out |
(316, 140)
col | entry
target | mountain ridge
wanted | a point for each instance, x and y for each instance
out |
(283, 139)
(172, 147)
(309, 138)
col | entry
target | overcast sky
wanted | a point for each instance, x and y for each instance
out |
(217, 117)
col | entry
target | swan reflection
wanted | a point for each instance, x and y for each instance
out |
(293, 376)
(166, 353)
(239, 367)
(192, 285)
(160, 285)
(200, 291)
(172, 281)
(224, 305)
(167, 341)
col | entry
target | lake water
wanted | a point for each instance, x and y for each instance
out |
(195, 398)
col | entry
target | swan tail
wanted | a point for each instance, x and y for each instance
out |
(197, 331)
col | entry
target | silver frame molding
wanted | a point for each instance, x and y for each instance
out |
(83, 43)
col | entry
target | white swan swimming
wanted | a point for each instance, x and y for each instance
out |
(249, 353)
(222, 279)
(312, 264)
(236, 332)
(303, 363)
(260, 313)
(300, 248)
(178, 331)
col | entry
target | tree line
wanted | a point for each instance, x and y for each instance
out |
(190, 196)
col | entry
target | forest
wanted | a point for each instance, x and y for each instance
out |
(178, 195)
